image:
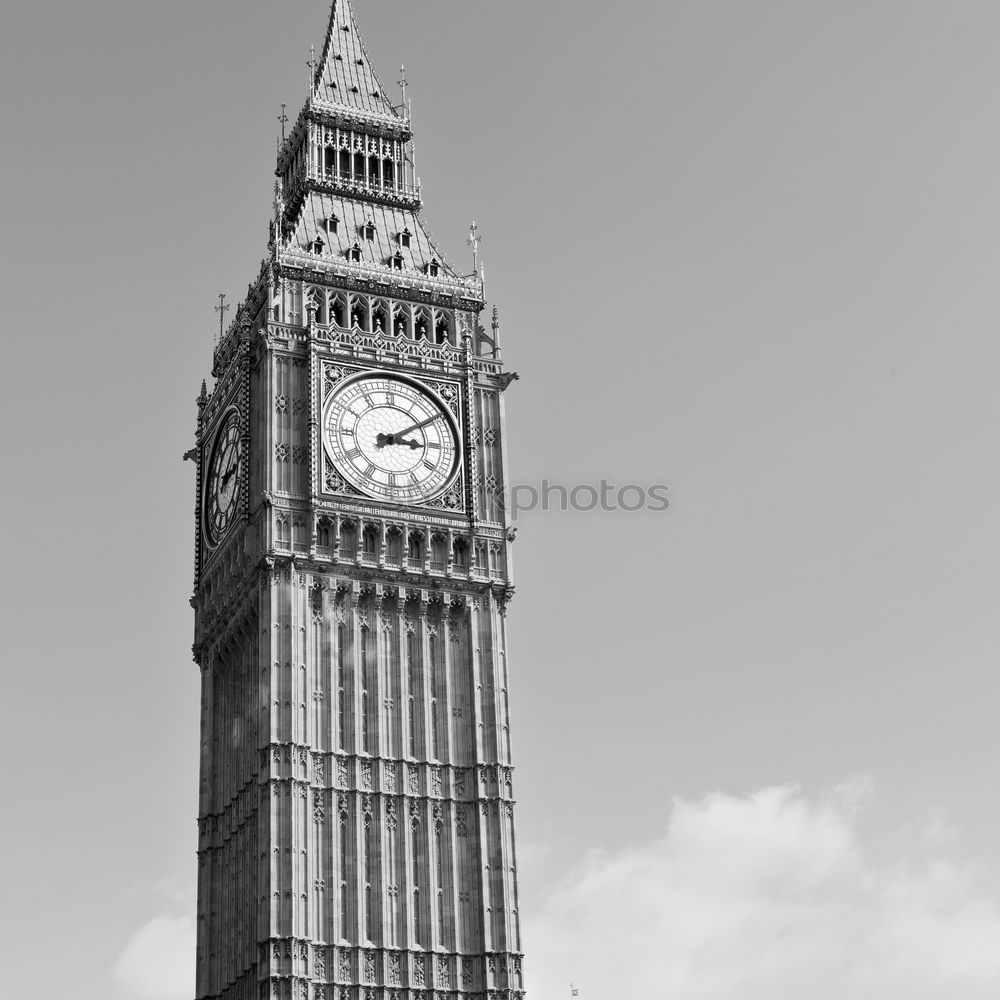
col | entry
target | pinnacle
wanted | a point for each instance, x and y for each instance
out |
(344, 74)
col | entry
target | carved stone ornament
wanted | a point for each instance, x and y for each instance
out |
(392, 970)
(444, 972)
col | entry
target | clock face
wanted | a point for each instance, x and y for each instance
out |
(223, 488)
(391, 439)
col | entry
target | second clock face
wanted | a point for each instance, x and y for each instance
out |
(391, 439)
(224, 479)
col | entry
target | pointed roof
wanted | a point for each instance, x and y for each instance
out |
(344, 74)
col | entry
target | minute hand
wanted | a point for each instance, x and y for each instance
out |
(416, 427)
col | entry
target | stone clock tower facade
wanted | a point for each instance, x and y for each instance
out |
(356, 833)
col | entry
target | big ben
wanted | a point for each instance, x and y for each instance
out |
(356, 830)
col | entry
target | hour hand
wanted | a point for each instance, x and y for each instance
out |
(383, 439)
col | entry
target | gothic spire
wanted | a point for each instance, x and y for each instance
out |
(344, 74)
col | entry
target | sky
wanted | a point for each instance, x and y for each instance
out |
(743, 250)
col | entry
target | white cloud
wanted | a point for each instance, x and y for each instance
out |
(158, 961)
(772, 895)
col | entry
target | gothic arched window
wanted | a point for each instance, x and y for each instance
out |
(404, 238)
(380, 318)
(354, 254)
(433, 269)
(439, 549)
(422, 325)
(338, 309)
(359, 312)
(348, 540)
(443, 329)
(415, 549)
(394, 547)
(401, 321)
(323, 534)
(370, 543)
(461, 553)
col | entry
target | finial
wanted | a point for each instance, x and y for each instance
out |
(496, 332)
(573, 991)
(283, 118)
(403, 83)
(221, 309)
(473, 241)
(312, 68)
(203, 395)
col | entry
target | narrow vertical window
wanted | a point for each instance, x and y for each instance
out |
(439, 863)
(365, 734)
(341, 687)
(343, 876)
(411, 664)
(439, 856)
(369, 914)
(392, 876)
(435, 745)
(416, 884)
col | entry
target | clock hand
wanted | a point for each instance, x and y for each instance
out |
(416, 427)
(384, 439)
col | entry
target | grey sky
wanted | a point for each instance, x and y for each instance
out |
(746, 249)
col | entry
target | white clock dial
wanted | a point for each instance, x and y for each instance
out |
(391, 439)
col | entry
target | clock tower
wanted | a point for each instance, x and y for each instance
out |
(356, 833)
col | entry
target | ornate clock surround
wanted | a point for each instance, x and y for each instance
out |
(448, 391)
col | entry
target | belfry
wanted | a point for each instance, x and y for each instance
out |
(356, 829)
